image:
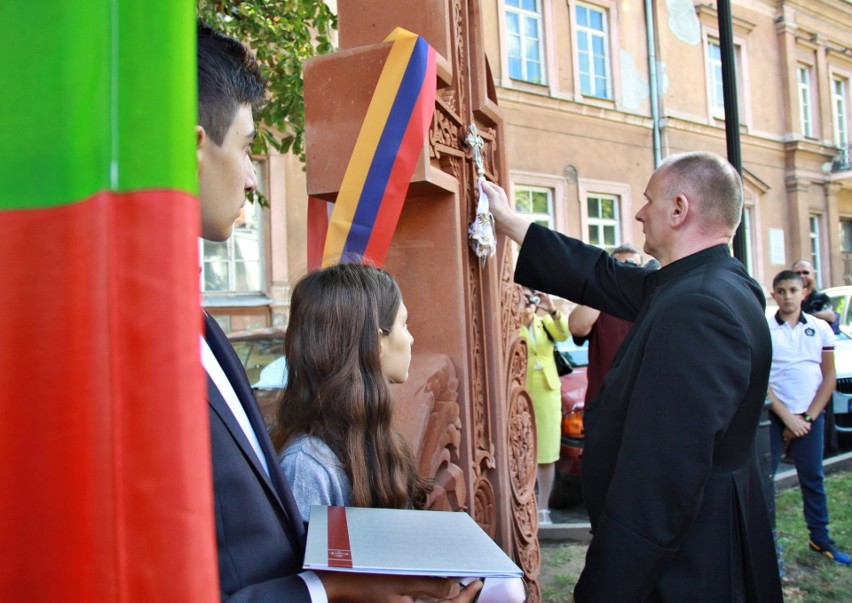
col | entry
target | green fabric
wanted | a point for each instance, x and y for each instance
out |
(98, 95)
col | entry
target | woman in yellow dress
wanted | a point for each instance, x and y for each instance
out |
(544, 386)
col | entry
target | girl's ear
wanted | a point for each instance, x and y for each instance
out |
(381, 343)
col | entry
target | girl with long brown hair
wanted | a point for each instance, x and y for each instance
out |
(347, 339)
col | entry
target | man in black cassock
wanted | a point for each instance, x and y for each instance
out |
(670, 473)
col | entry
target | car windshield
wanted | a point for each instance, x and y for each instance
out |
(273, 375)
(262, 355)
(843, 353)
(577, 354)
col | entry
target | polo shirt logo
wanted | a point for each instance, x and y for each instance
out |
(810, 332)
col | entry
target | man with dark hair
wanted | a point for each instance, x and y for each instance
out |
(670, 475)
(259, 534)
(815, 303)
(229, 88)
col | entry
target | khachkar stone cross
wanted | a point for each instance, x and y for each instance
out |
(475, 142)
(481, 233)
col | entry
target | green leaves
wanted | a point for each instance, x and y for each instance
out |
(283, 33)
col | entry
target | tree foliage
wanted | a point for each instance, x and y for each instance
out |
(283, 33)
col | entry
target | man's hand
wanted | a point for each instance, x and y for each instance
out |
(380, 588)
(466, 595)
(546, 303)
(507, 221)
(827, 315)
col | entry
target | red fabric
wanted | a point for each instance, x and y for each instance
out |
(104, 429)
(604, 340)
(317, 230)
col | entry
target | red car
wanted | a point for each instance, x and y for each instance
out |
(566, 487)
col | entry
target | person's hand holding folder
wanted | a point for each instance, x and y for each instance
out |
(377, 588)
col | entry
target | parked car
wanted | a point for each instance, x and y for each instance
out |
(841, 298)
(566, 487)
(840, 301)
(842, 398)
(262, 353)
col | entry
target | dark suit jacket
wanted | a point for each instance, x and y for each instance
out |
(259, 533)
(670, 472)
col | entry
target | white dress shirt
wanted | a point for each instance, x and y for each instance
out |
(316, 590)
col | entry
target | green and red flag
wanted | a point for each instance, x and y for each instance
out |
(105, 484)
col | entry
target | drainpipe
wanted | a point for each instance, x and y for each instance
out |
(652, 75)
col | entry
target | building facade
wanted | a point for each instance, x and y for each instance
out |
(594, 94)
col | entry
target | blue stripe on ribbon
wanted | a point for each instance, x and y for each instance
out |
(386, 152)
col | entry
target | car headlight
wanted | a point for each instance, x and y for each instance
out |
(572, 424)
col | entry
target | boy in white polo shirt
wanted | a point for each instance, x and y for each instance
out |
(801, 383)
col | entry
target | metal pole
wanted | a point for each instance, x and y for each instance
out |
(732, 117)
(732, 136)
(652, 76)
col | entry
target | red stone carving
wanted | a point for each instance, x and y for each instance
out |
(427, 416)
(464, 409)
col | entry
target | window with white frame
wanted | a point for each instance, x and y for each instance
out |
(603, 221)
(236, 265)
(840, 106)
(714, 78)
(593, 51)
(535, 203)
(714, 68)
(803, 77)
(816, 260)
(846, 236)
(523, 28)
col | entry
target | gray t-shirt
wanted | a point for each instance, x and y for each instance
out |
(315, 474)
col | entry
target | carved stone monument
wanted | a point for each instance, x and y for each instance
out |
(464, 409)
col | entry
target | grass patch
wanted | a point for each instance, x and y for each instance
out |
(561, 564)
(810, 578)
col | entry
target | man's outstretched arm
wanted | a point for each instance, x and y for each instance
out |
(507, 221)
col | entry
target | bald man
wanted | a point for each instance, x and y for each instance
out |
(670, 474)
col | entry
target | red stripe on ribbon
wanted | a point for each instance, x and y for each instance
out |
(104, 423)
(339, 551)
(400, 176)
(317, 231)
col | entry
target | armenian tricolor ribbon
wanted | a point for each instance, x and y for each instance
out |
(105, 490)
(390, 141)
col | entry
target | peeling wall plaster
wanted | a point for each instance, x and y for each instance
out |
(683, 22)
(634, 88)
(662, 79)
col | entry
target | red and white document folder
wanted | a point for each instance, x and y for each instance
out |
(402, 541)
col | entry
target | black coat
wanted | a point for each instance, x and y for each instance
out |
(670, 471)
(259, 532)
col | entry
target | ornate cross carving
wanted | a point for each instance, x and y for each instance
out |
(475, 142)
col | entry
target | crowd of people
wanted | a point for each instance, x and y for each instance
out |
(684, 358)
